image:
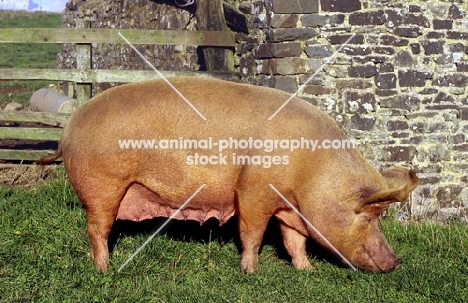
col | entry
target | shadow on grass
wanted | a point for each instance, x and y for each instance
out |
(210, 231)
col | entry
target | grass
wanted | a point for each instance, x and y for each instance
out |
(44, 257)
(19, 55)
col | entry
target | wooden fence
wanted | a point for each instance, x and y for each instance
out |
(84, 76)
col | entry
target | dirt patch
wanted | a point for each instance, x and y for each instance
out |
(17, 89)
(25, 175)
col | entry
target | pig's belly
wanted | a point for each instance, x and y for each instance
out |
(140, 203)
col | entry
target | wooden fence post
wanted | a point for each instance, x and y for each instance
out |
(210, 16)
(83, 63)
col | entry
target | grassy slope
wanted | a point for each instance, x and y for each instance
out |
(44, 257)
(26, 55)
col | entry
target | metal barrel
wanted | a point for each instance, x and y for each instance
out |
(47, 100)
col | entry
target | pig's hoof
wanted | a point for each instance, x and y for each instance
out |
(305, 266)
(101, 268)
(101, 265)
(249, 268)
(249, 271)
(249, 263)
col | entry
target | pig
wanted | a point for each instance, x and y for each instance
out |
(335, 189)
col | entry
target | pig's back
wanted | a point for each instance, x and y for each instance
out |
(145, 109)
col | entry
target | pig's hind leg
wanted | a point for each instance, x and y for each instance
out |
(295, 244)
(294, 239)
(101, 202)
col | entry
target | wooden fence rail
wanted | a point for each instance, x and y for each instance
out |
(84, 76)
(88, 36)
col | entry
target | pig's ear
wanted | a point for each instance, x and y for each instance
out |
(380, 200)
(400, 183)
(402, 179)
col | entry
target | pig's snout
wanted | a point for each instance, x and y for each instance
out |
(375, 261)
(392, 265)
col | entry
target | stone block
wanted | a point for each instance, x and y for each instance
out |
(357, 83)
(283, 20)
(456, 12)
(13, 106)
(387, 68)
(343, 6)
(367, 18)
(415, 48)
(456, 47)
(318, 51)
(361, 103)
(416, 19)
(457, 139)
(435, 35)
(291, 66)
(384, 50)
(401, 101)
(356, 50)
(294, 6)
(394, 41)
(247, 65)
(448, 195)
(413, 78)
(461, 147)
(457, 35)
(435, 153)
(290, 34)
(409, 32)
(279, 50)
(361, 122)
(385, 81)
(394, 18)
(315, 20)
(442, 24)
(437, 9)
(405, 59)
(336, 71)
(415, 9)
(397, 125)
(362, 59)
(341, 39)
(428, 91)
(443, 97)
(445, 59)
(385, 92)
(398, 153)
(287, 84)
(464, 114)
(433, 47)
(455, 79)
(317, 90)
(363, 71)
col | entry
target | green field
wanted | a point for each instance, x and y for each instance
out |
(44, 257)
(14, 55)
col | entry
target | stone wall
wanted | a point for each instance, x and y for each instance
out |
(131, 14)
(398, 87)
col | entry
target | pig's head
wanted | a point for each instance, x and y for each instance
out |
(358, 236)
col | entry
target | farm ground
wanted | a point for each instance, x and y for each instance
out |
(44, 257)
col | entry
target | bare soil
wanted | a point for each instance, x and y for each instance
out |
(24, 175)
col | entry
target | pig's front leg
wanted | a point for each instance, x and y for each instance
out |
(253, 220)
(295, 244)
